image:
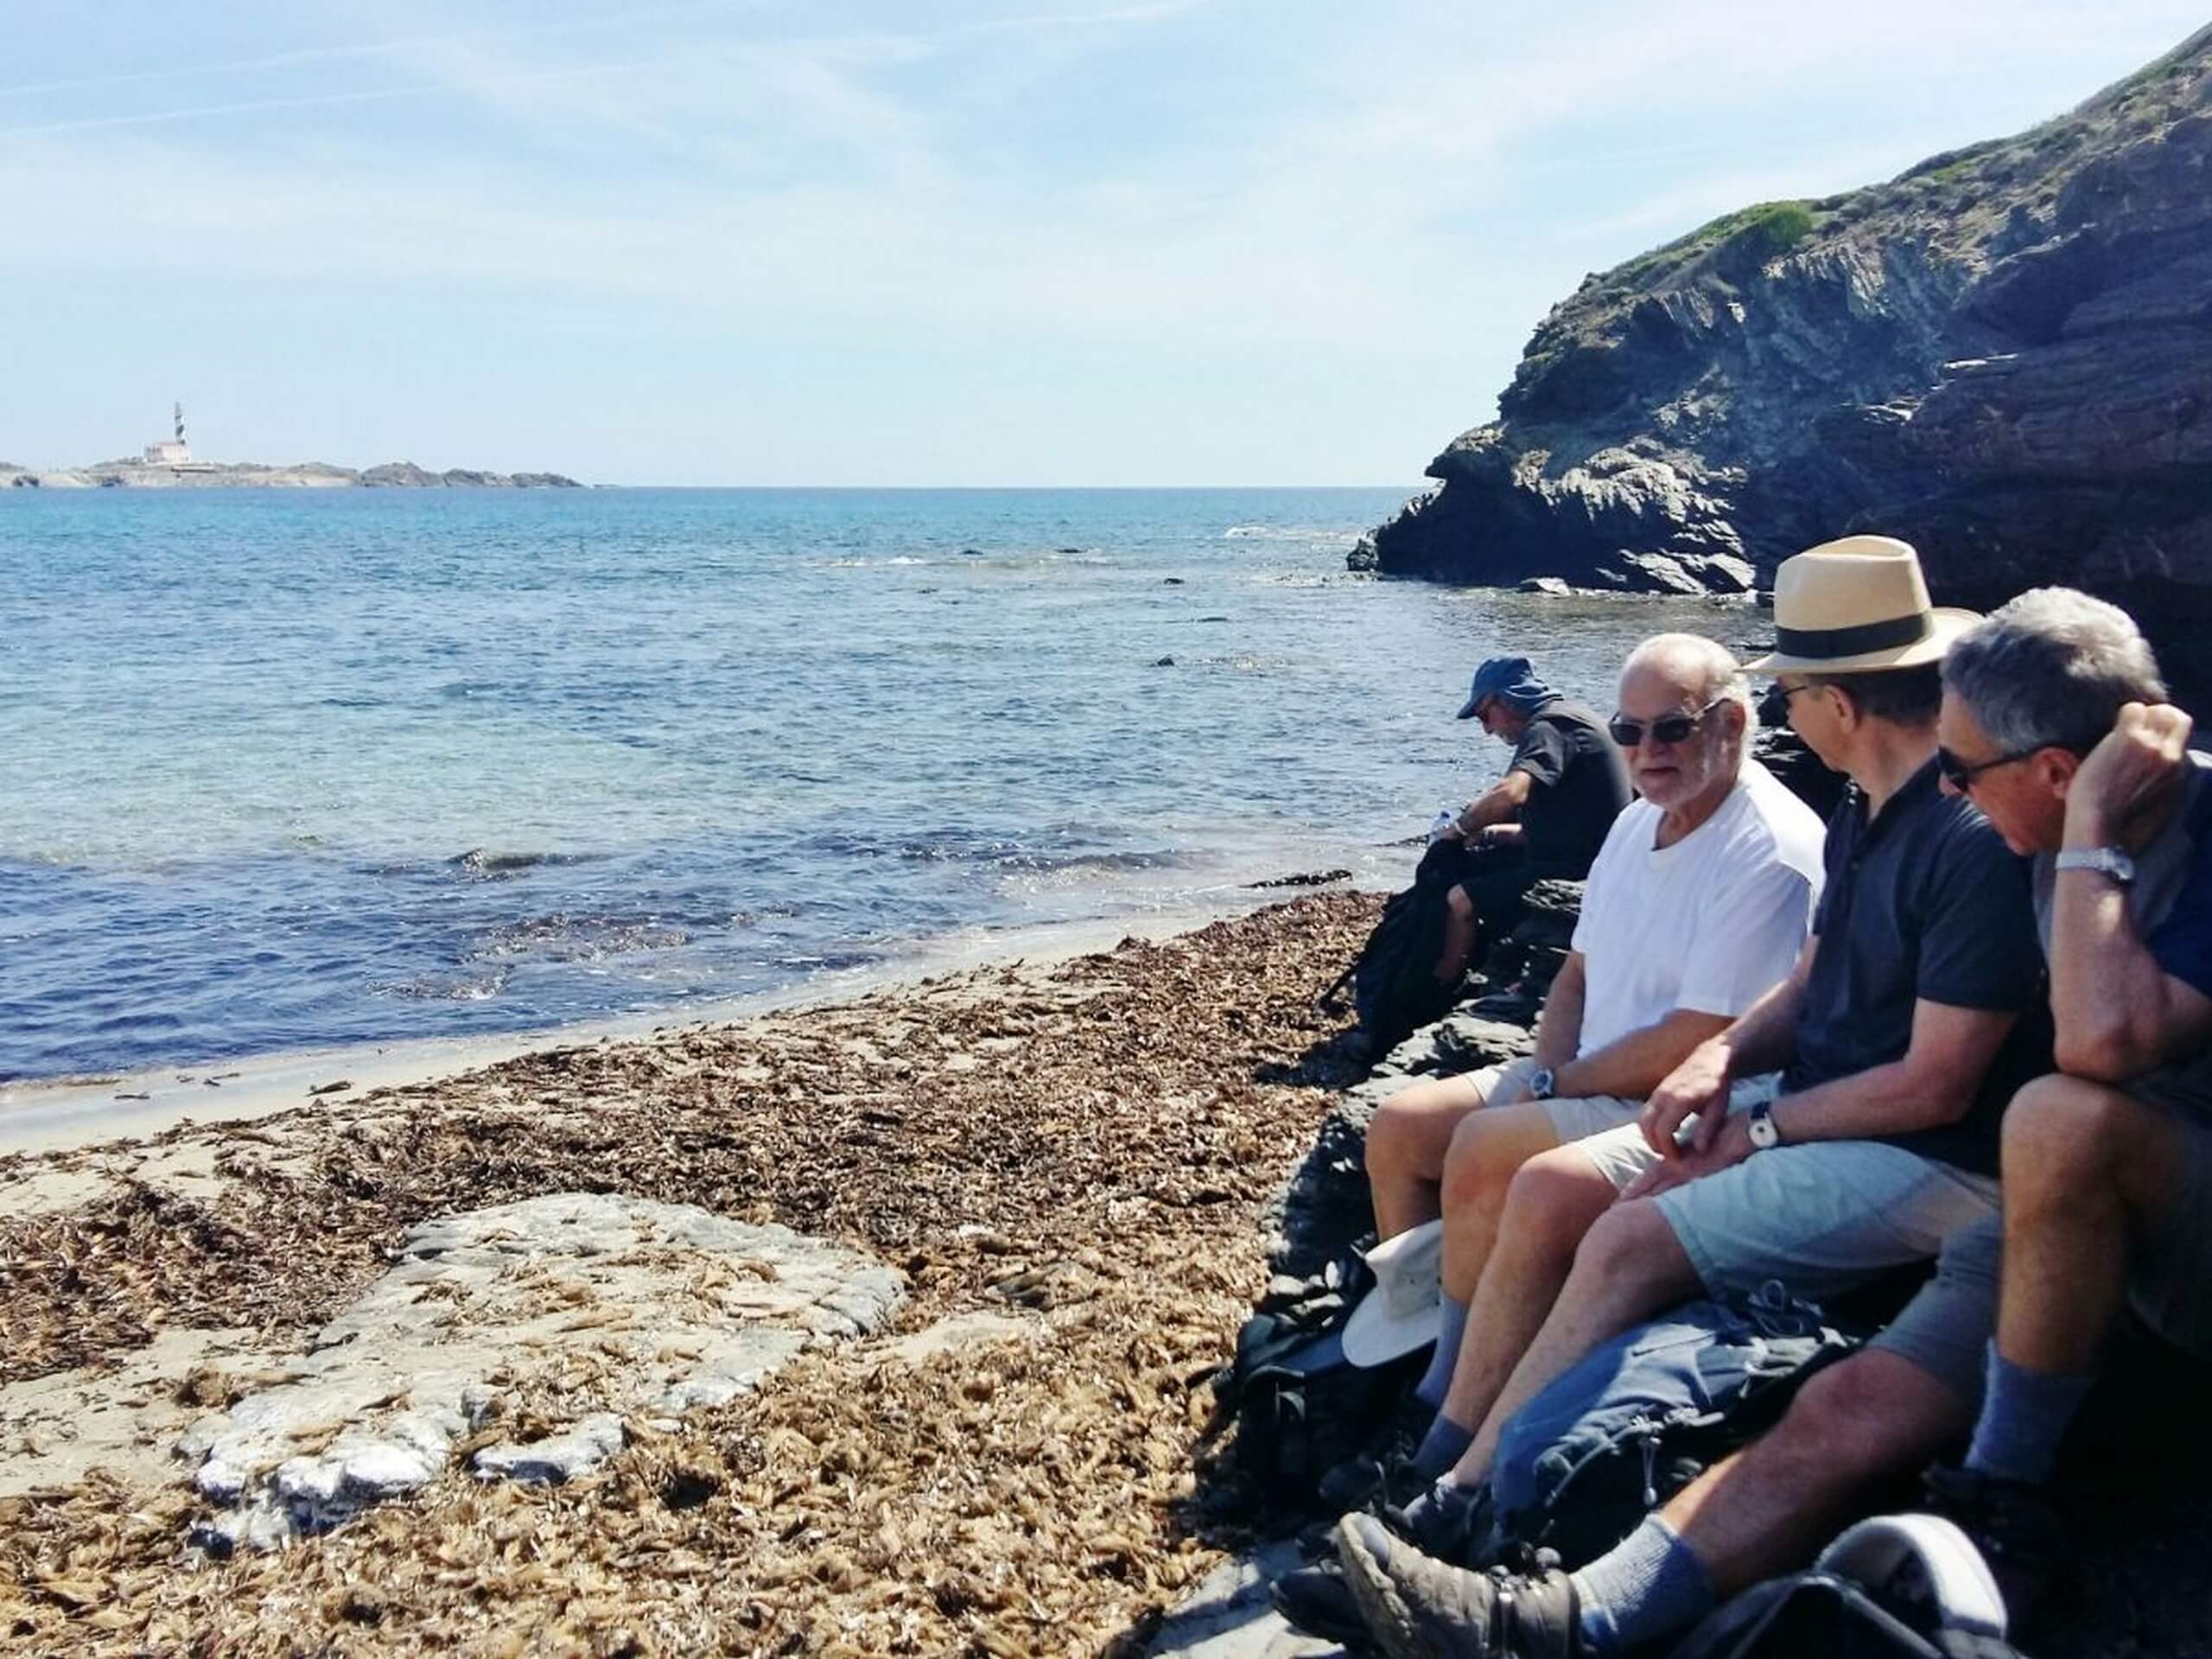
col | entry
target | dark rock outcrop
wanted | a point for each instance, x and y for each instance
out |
(2004, 355)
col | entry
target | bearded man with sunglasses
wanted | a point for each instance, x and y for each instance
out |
(1843, 1126)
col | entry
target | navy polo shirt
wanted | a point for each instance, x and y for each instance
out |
(1923, 902)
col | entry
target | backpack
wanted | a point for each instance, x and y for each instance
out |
(1643, 1415)
(1301, 1406)
(1900, 1586)
(1395, 989)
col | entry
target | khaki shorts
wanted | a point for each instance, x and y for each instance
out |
(1571, 1120)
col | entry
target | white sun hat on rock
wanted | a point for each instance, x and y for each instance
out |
(1856, 604)
(1400, 1314)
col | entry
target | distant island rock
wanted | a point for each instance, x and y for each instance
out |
(246, 474)
(2003, 355)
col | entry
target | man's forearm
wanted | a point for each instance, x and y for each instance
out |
(1632, 1064)
(1882, 1100)
(1502, 801)
(2108, 994)
(1559, 1028)
(1765, 1036)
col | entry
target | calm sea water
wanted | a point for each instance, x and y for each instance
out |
(284, 769)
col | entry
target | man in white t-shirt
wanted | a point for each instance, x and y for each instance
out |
(1698, 904)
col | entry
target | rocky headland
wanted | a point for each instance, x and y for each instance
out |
(2003, 355)
(253, 475)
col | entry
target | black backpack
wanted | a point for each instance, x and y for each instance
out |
(1394, 990)
(1301, 1406)
(1640, 1417)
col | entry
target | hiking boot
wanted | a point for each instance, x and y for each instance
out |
(2013, 1524)
(1317, 1600)
(1418, 1608)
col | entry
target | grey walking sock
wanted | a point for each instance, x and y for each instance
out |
(1451, 1330)
(1441, 1447)
(2025, 1415)
(1649, 1586)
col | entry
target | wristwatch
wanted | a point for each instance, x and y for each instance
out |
(1761, 1127)
(1542, 1081)
(2105, 860)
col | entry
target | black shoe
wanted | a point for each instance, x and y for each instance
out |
(1451, 1523)
(1317, 1600)
(1382, 1474)
(2014, 1525)
(1415, 1607)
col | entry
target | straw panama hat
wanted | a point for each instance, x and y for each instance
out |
(1400, 1313)
(1854, 604)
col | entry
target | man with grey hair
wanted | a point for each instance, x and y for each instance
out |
(1697, 902)
(2055, 720)
(2090, 761)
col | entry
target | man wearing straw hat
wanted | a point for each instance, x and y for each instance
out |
(1897, 1038)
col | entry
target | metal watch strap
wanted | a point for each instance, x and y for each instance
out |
(2110, 863)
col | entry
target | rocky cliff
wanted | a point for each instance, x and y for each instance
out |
(2004, 355)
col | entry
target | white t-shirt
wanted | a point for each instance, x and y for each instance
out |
(1710, 924)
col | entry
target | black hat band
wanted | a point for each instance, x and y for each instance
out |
(1828, 644)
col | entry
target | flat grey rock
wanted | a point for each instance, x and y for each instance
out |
(1228, 1615)
(631, 1305)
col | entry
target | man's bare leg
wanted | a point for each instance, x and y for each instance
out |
(1628, 1266)
(1487, 1149)
(1407, 1144)
(2085, 1166)
(1458, 935)
(1550, 1203)
(2086, 1170)
(1873, 1418)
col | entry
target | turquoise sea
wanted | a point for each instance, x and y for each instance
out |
(286, 769)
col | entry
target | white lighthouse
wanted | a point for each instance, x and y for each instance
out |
(174, 453)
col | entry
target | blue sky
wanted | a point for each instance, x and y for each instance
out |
(1065, 242)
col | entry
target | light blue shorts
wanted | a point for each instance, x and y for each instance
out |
(1822, 1216)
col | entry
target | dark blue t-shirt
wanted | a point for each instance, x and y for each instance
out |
(1922, 903)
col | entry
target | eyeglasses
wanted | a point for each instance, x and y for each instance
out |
(1668, 728)
(1959, 775)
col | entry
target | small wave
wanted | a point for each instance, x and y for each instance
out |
(575, 938)
(488, 865)
(457, 988)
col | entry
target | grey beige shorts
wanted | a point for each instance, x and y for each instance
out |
(1571, 1120)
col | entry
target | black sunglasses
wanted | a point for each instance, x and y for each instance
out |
(1961, 776)
(1668, 728)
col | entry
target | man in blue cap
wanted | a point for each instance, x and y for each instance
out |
(1546, 818)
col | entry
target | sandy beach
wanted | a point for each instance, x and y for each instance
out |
(1064, 1161)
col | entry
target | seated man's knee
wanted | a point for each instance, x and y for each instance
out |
(1487, 1151)
(2063, 1125)
(1416, 1118)
(1554, 1196)
(1865, 1419)
(1624, 1242)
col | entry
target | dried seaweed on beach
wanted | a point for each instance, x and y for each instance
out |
(1087, 1145)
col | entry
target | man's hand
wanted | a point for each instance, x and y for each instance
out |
(2133, 772)
(1731, 1144)
(1698, 1087)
